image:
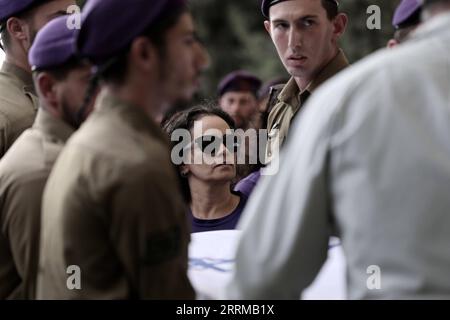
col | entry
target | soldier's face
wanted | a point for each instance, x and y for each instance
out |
(210, 167)
(71, 93)
(306, 40)
(185, 60)
(242, 106)
(42, 14)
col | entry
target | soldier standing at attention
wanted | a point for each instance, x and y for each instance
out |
(20, 20)
(112, 207)
(305, 34)
(61, 81)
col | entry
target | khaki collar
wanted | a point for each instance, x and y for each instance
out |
(291, 93)
(23, 76)
(52, 126)
(337, 64)
(132, 115)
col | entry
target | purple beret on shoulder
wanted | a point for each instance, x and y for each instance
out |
(239, 81)
(109, 26)
(9, 8)
(407, 13)
(54, 45)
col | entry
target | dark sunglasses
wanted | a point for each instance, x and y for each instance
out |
(210, 144)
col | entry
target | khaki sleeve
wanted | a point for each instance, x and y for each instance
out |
(23, 224)
(150, 233)
(129, 236)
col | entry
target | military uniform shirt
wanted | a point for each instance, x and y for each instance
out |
(18, 104)
(23, 173)
(289, 102)
(112, 208)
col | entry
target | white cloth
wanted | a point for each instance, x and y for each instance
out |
(212, 260)
(368, 159)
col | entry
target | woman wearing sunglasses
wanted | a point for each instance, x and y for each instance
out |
(208, 168)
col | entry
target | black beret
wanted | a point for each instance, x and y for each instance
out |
(266, 4)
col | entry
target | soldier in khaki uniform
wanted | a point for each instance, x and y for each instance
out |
(61, 81)
(20, 20)
(305, 34)
(113, 214)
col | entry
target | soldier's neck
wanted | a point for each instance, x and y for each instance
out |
(19, 62)
(302, 83)
(149, 101)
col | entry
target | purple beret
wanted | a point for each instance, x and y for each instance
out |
(109, 26)
(54, 45)
(9, 8)
(407, 13)
(266, 4)
(239, 81)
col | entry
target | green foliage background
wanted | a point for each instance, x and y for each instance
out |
(234, 35)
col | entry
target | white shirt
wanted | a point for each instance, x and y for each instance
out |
(368, 159)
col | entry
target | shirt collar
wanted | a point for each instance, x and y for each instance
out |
(134, 116)
(25, 77)
(337, 64)
(52, 126)
(292, 92)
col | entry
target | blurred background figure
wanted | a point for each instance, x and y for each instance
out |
(406, 20)
(207, 178)
(238, 96)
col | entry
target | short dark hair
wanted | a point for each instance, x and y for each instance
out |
(5, 38)
(402, 34)
(60, 73)
(331, 7)
(185, 120)
(116, 68)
